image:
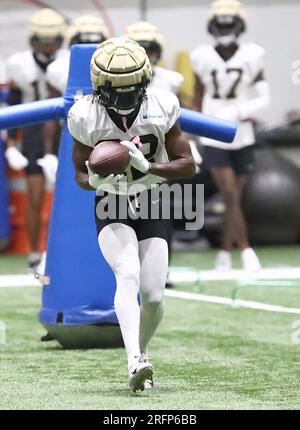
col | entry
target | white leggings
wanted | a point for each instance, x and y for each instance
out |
(139, 267)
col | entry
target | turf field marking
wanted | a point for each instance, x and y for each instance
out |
(186, 274)
(14, 281)
(226, 301)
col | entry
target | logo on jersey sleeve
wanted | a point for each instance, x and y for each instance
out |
(152, 116)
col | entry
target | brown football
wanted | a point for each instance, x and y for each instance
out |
(109, 157)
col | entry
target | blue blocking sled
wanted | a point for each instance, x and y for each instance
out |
(77, 303)
(4, 205)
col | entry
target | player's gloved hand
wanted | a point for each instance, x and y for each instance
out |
(137, 158)
(49, 165)
(230, 113)
(15, 159)
(102, 184)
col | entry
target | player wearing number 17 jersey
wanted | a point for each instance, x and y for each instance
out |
(230, 84)
(145, 121)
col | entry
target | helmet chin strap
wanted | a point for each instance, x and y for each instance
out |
(45, 59)
(122, 111)
(227, 40)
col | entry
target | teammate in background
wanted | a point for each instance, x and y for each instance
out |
(84, 29)
(230, 84)
(26, 77)
(122, 108)
(150, 38)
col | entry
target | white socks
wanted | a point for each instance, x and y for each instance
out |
(119, 247)
(223, 261)
(138, 267)
(154, 272)
(250, 261)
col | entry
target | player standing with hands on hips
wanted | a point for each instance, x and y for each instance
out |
(230, 84)
(146, 122)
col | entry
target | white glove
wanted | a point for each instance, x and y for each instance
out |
(15, 159)
(103, 184)
(230, 113)
(49, 165)
(137, 158)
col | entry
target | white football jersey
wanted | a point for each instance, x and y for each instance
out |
(228, 84)
(89, 123)
(165, 79)
(58, 71)
(28, 76)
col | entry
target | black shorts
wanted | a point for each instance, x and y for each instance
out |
(240, 160)
(127, 210)
(33, 147)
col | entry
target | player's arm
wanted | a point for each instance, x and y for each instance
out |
(50, 128)
(49, 161)
(50, 131)
(260, 102)
(15, 158)
(181, 164)
(85, 177)
(198, 94)
(80, 154)
(14, 98)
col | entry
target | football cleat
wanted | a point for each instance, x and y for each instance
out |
(250, 260)
(33, 261)
(223, 261)
(148, 384)
(139, 373)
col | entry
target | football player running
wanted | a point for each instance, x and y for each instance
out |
(230, 84)
(26, 78)
(122, 108)
(151, 39)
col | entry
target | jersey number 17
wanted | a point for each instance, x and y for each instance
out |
(232, 93)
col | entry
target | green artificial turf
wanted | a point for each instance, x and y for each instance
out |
(206, 356)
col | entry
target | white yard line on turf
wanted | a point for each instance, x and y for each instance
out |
(226, 301)
(185, 274)
(14, 281)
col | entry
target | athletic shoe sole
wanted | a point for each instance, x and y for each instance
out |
(137, 381)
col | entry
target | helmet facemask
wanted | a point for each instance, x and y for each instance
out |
(123, 100)
(45, 48)
(226, 29)
(153, 50)
(120, 73)
(87, 37)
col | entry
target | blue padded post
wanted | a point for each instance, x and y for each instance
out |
(207, 126)
(4, 204)
(32, 113)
